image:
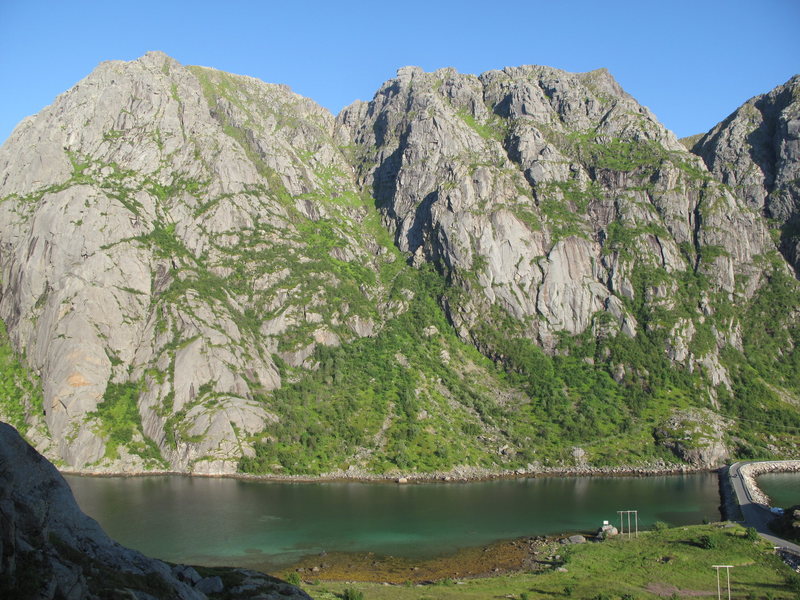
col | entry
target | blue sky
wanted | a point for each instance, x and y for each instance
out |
(691, 62)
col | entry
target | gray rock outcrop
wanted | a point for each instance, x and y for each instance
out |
(697, 437)
(756, 151)
(606, 531)
(49, 549)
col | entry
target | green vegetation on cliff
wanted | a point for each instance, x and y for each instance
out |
(392, 403)
(20, 391)
(120, 424)
(403, 399)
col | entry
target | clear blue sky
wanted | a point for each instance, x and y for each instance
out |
(692, 62)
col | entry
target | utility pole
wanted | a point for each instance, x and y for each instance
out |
(728, 573)
(628, 513)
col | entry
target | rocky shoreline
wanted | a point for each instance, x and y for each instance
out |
(751, 471)
(526, 554)
(461, 474)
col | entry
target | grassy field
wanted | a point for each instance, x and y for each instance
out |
(671, 563)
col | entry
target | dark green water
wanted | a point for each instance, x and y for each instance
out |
(782, 488)
(247, 523)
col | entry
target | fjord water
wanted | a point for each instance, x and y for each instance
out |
(782, 488)
(254, 523)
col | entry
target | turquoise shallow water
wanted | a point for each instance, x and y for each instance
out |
(248, 523)
(782, 488)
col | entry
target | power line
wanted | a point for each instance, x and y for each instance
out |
(739, 419)
(628, 513)
(728, 572)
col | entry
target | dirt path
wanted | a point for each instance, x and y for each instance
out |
(666, 590)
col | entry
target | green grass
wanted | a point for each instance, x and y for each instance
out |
(666, 560)
(20, 391)
(120, 424)
(493, 129)
(617, 154)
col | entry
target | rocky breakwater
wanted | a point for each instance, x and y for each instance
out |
(50, 549)
(750, 472)
(466, 473)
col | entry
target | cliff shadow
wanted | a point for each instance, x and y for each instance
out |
(423, 223)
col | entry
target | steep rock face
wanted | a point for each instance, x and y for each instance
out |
(167, 233)
(541, 192)
(50, 549)
(756, 151)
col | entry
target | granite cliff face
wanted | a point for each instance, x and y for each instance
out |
(183, 251)
(539, 191)
(756, 151)
(50, 549)
(180, 229)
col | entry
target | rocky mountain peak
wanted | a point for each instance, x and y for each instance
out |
(755, 151)
(527, 167)
(138, 192)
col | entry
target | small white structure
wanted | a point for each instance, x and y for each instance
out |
(607, 531)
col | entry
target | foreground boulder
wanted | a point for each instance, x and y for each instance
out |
(50, 549)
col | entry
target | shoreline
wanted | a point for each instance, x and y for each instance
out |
(501, 557)
(456, 475)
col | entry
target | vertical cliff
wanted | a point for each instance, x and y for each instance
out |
(756, 151)
(168, 234)
(557, 199)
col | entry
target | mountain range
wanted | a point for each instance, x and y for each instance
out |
(206, 273)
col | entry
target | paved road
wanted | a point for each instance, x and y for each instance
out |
(756, 515)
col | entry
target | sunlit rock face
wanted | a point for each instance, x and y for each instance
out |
(756, 152)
